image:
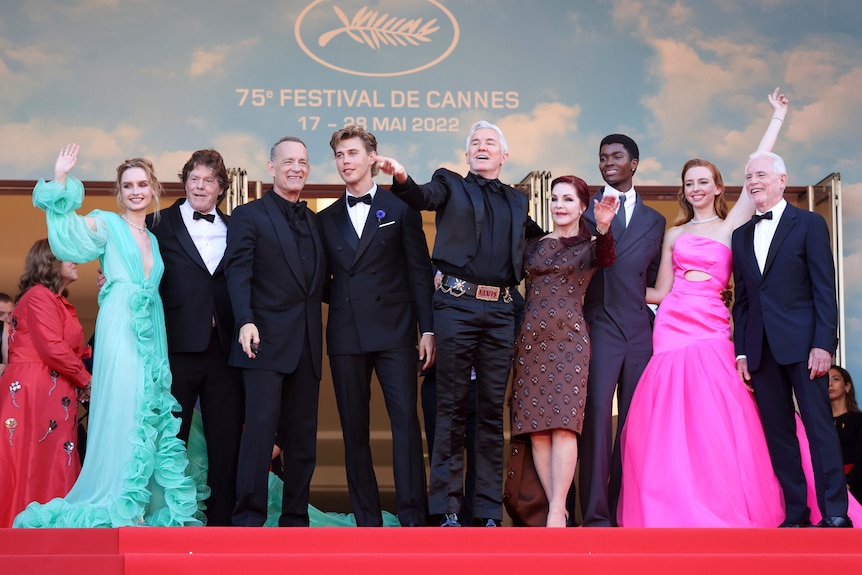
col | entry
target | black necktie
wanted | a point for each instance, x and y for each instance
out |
(295, 211)
(208, 217)
(756, 218)
(353, 200)
(621, 212)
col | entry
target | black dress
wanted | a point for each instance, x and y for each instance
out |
(849, 427)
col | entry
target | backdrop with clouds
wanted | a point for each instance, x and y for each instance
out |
(161, 78)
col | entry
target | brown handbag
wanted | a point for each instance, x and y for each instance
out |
(523, 495)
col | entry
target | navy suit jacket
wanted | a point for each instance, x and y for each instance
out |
(460, 211)
(268, 288)
(618, 293)
(190, 294)
(793, 302)
(379, 286)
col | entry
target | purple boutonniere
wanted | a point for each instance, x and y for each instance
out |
(380, 215)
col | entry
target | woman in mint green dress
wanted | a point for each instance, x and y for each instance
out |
(135, 472)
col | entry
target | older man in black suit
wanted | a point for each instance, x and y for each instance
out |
(380, 284)
(275, 272)
(192, 237)
(481, 227)
(785, 332)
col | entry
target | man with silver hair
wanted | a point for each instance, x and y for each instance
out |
(481, 229)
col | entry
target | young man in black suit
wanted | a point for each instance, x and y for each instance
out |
(192, 237)
(481, 228)
(275, 272)
(379, 288)
(785, 332)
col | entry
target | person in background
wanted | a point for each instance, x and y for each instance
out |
(192, 235)
(6, 307)
(40, 387)
(848, 423)
(135, 472)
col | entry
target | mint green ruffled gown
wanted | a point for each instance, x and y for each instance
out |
(136, 470)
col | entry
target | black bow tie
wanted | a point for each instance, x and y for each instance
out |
(756, 218)
(494, 185)
(208, 217)
(353, 200)
(295, 211)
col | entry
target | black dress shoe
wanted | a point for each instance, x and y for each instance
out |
(450, 520)
(836, 521)
(486, 522)
(787, 523)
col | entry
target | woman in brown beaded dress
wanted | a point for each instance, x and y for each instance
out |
(552, 357)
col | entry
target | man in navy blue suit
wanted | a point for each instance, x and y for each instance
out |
(785, 332)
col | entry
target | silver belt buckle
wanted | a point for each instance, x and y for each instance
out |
(487, 293)
(456, 290)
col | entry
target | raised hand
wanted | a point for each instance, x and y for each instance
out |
(779, 103)
(65, 162)
(391, 167)
(605, 211)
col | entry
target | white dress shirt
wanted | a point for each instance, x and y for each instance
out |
(631, 200)
(210, 238)
(359, 213)
(764, 231)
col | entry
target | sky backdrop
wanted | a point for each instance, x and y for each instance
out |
(162, 78)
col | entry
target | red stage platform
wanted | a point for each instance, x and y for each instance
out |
(193, 551)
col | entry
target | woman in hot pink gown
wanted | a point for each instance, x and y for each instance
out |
(693, 448)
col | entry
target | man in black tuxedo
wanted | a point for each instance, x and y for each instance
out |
(275, 272)
(380, 284)
(785, 332)
(192, 237)
(481, 226)
(620, 328)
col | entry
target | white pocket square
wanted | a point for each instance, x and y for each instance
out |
(386, 224)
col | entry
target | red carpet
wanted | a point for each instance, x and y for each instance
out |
(333, 551)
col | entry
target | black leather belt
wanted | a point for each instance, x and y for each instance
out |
(457, 287)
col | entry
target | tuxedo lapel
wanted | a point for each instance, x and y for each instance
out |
(785, 226)
(183, 236)
(342, 221)
(285, 238)
(226, 220)
(371, 223)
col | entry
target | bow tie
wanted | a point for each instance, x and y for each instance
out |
(756, 218)
(200, 216)
(494, 185)
(353, 200)
(295, 211)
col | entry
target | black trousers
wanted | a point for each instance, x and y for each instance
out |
(284, 403)
(470, 333)
(396, 371)
(774, 387)
(206, 376)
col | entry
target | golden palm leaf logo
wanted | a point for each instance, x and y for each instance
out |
(425, 30)
(373, 30)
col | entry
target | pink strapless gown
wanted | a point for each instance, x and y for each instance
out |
(693, 449)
